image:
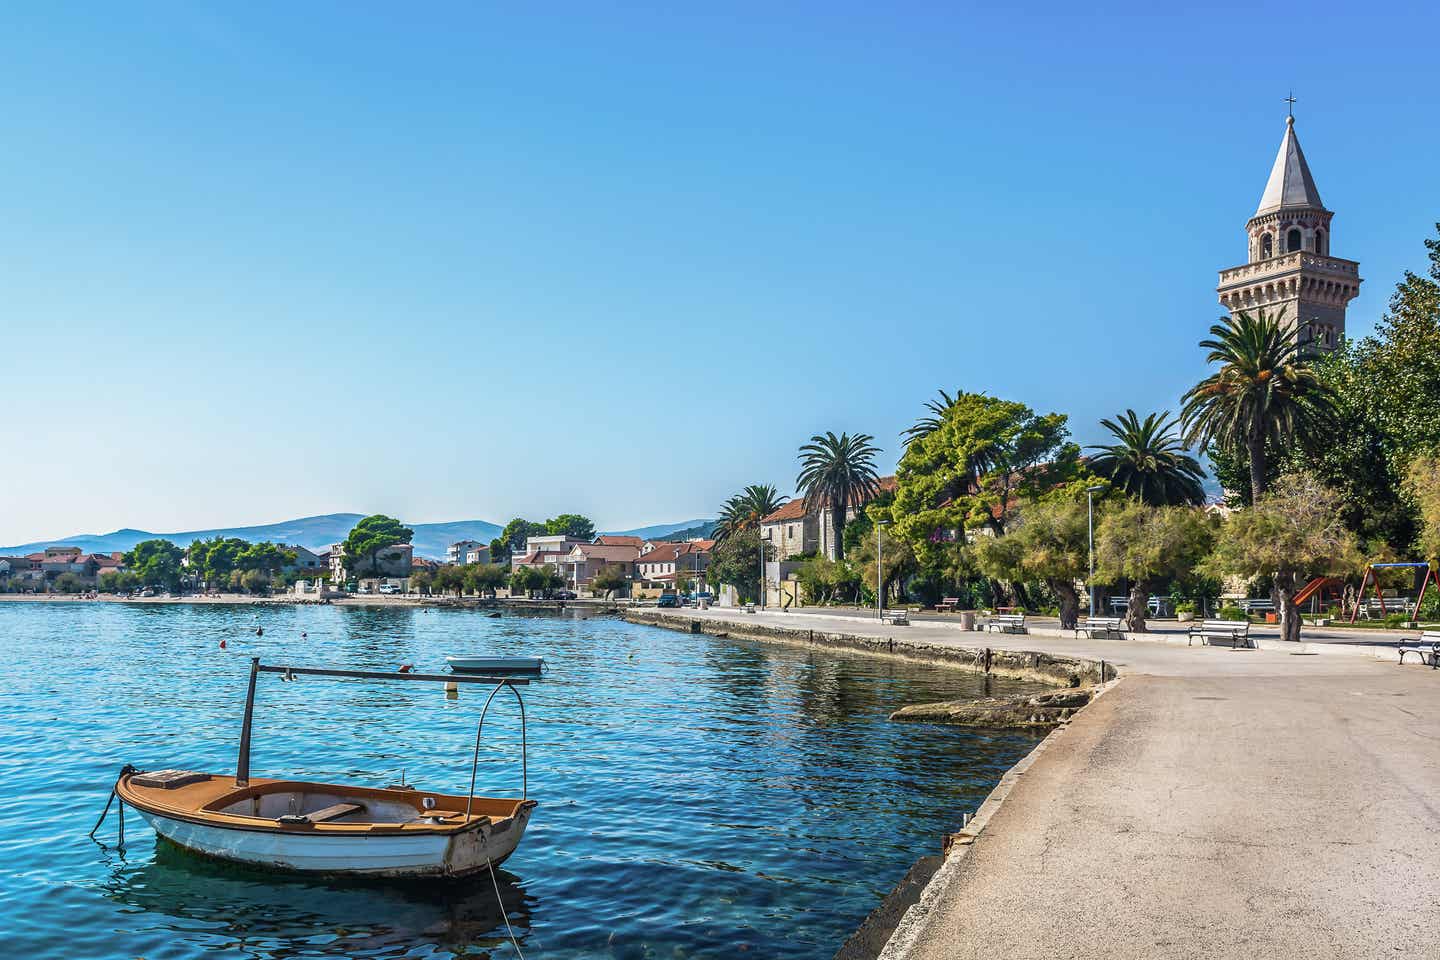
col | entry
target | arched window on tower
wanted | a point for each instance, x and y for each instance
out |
(1320, 243)
(1292, 240)
(1266, 249)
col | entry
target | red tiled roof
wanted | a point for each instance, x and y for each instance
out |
(795, 509)
(669, 552)
(618, 540)
(625, 552)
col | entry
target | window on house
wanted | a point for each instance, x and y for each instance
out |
(1292, 240)
(1266, 249)
(1320, 242)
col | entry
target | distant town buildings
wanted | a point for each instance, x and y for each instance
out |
(664, 564)
(457, 551)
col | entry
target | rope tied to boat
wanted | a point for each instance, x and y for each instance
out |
(499, 902)
(125, 771)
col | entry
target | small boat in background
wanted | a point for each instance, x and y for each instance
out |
(498, 666)
(335, 829)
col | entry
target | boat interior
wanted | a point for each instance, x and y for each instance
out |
(292, 803)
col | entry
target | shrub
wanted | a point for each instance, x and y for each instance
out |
(1232, 613)
(1185, 606)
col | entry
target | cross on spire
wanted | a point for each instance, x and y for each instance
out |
(1291, 100)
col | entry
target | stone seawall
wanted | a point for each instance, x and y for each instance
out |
(1015, 664)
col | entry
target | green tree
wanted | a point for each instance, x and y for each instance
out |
(837, 473)
(254, 581)
(450, 579)
(422, 582)
(609, 578)
(1049, 541)
(1143, 544)
(371, 535)
(1423, 484)
(972, 469)
(69, 582)
(489, 577)
(570, 525)
(265, 557)
(1294, 530)
(512, 539)
(530, 580)
(1264, 396)
(156, 563)
(736, 562)
(899, 563)
(747, 508)
(823, 581)
(1148, 462)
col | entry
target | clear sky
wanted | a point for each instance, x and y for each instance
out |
(462, 261)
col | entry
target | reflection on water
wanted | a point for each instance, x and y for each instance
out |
(698, 796)
(265, 914)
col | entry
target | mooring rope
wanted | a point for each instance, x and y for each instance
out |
(501, 904)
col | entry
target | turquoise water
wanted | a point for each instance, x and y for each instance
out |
(698, 797)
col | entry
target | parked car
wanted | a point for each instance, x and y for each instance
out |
(389, 588)
(668, 600)
(565, 595)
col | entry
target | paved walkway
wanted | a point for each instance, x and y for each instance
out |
(1215, 803)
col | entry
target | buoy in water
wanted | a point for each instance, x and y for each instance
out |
(222, 644)
(259, 631)
(406, 667)
(452, 690)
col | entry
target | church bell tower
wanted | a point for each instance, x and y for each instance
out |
(1290, 268)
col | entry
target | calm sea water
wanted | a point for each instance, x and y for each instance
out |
(699, 797)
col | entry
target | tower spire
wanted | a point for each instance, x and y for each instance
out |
(1291, 100)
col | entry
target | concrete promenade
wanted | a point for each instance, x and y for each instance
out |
(1214, 803)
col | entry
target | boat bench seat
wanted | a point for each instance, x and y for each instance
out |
(332, 812)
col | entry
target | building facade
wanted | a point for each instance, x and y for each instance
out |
(1290, 270)
(455, 552)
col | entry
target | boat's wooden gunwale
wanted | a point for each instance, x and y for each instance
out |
(221, 790)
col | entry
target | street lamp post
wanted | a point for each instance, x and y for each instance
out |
(760, 536)
(1090, 522)
(879, 572)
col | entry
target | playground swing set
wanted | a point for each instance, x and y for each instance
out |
(1372, 577)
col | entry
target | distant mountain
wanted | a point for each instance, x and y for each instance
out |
(701, 531)
(660, 531)
(316, 533)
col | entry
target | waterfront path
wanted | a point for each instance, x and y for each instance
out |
(1214, 803)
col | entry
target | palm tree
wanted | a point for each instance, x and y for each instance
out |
(928, 425)
(747, 508)
(1263, 392)
(1149, 461)
(836, 472)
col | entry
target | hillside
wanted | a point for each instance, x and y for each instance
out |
(318, 533)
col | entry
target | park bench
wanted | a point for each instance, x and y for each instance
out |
(1006, 623)
(948, 605)
(899, 618)
(1105, 626)
(1236, 631)
(749, 608)
(1426, 647)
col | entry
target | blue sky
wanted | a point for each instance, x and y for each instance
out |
(480, 260)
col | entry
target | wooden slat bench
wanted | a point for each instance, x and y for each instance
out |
(1105, 626)
(1236, 631)
(1006, 623)
(749, 608)
(899, 618)
(333, 812)
(948, 605)
(1426, 647)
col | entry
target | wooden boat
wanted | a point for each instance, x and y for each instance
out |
(333, 829)
(498, 666)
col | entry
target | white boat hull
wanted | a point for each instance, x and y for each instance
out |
(374, 855)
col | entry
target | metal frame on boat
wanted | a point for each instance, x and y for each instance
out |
(337, 829)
